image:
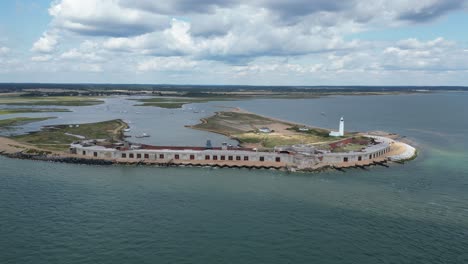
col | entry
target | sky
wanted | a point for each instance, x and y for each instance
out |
(244, 42)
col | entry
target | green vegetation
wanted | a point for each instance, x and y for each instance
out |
(61, 136)
(311, 131)
(244, 127)
(50, 100)
(8, 111)
(18, 121)
(357, 143)
(272, 140)
(167, 98)
(229, 123)
(348, 148)
(175, 102)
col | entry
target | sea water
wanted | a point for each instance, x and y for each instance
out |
(411, 213)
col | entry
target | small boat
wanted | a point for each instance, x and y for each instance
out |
(144, 135)
(127, 130)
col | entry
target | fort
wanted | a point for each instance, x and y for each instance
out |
(294, 157)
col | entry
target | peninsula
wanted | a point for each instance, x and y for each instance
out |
(264, 142)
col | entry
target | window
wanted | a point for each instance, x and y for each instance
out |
(161, 156)
(124, 155)
(278, 159)
(84, 152)
(207, 157)
(215, 157)
(131, 155)
(138, 156)
(176, 156)
(230, 158)
(95, 154)
(345, 159)
(262, 159)
(223, 157)
(238, 157)
(359, 158)
(246, 158)
(192, 157)
(146, 156)
(370, 156)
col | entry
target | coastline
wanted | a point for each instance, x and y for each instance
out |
(10, 148)
(243, 111)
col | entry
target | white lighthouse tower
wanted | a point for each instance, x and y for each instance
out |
(341, 127)
(340, 133)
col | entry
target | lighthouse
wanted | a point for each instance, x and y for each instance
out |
(340, 132)
(341, 127)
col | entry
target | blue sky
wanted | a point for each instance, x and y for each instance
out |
(257, 42)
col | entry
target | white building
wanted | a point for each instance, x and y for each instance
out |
(340, 133)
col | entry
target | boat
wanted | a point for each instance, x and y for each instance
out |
(144, 135)
(127, 130)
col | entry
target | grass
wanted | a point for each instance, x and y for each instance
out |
(229, 123)
(272, 140)
(175, 102)
(50, 100)
(8, 111)
(178, 99)
(244, 128)
(18, 121)
(54, 137)
(311, 131)
(348, 148)
(357, 144)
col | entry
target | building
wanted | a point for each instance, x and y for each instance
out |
(296, 156)
(340, 133)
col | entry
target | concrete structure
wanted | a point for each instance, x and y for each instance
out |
(296, 156)
(340, 132)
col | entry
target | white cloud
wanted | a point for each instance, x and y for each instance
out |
(166, 64)
(255, 41)
(46, 44)
(433, 55)
(103, 18)
(232, 31)
(172, 41)
(88, 67)
(41, 58)
(76, 54)
(4, 50)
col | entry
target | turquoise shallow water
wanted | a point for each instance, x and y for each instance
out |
(412, 213)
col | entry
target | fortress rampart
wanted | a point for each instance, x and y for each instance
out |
(299, 156)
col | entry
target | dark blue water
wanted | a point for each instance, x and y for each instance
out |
(412, 213)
